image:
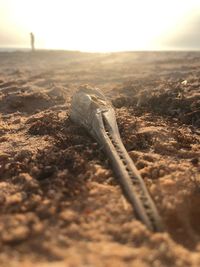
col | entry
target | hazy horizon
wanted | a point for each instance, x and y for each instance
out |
(101, 26)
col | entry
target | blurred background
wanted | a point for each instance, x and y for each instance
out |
(101, 25)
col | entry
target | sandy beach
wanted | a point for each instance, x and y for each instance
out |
(60, 202)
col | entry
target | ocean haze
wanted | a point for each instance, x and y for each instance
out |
(186, 36)
(106, 26)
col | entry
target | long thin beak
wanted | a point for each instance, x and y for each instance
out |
(132, 184)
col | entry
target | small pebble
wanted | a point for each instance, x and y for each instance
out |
(195, 161)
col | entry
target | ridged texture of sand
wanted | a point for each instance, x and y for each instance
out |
(60, 203)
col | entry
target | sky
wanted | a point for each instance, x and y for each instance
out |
(101, 25)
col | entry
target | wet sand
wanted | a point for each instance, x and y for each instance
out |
(60, 202)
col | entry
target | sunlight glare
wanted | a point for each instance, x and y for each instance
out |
(90, 25)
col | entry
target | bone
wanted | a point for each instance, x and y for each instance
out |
(91, 110)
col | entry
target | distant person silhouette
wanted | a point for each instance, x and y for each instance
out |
(32, 41)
